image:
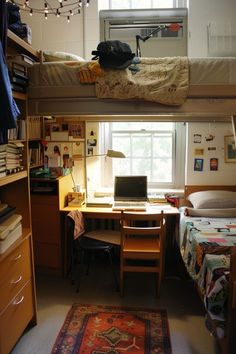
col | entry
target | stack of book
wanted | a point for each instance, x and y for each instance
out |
(10, 226)
(11, 158)
(17, 65)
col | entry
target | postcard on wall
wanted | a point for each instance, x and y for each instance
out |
(199, 152)
(230, 149)
(76, 130)
(77, 150)
(197, 138)
(52, 154)
(198, 164)
(214, 164)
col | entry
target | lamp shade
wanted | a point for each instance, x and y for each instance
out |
(115, 154)
(110, 153)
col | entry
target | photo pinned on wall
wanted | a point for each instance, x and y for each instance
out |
(198, 164)
(199, 152)
(91, 142)
(211, 148)
(209, 137)
(214, 164)
(230, 148)
(197, 138)
(76, 130)
(66, 152)
(90, 150)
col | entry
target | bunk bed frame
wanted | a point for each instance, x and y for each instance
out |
(196, 108)
(228, 343)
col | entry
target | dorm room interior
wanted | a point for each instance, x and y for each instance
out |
(169, 119)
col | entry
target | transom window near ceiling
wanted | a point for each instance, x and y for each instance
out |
(154, 149)
(141, 4)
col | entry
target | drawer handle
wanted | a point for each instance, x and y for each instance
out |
(17, 280)
(19, 301)
(17, 257)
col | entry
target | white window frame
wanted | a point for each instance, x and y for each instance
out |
(178, 167)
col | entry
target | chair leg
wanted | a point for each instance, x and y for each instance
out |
(80, 271)
(113, 270)
(121, 280)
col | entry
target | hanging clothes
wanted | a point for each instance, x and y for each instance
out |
(8, 108)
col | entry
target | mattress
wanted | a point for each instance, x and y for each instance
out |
(208, 77)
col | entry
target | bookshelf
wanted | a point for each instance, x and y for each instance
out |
(18, 298)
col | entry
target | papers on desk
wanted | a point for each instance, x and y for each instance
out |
(99, 202)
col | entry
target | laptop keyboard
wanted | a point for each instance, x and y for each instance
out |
(130, 205)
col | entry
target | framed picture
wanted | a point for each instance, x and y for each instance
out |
(230, 149)
(198, 164)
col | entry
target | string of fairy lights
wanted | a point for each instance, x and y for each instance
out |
(65, 8)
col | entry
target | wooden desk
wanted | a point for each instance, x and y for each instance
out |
(107, 215)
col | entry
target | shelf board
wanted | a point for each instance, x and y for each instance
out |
(12, 178)
(19, 95)
(22, 45)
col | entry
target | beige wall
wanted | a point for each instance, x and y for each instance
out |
(226, 173)
(80, 36)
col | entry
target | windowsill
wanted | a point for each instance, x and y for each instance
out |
(152, 192)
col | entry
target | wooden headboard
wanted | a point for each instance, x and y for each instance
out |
(196, 188)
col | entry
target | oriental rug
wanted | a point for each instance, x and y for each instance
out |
(91, 329)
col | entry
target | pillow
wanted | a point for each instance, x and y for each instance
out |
(61, 56)
(211, 213)
(213, 199)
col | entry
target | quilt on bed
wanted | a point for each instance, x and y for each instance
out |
(162, 80)
(206, 253)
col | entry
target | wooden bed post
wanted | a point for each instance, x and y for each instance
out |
(231, 320)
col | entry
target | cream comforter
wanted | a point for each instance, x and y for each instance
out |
(161, 80)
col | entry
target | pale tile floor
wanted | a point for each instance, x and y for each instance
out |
(185, 310)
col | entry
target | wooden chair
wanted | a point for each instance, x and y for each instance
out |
(142, 245)
(86, 245)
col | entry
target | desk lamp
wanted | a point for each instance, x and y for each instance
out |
(173, 27)
(109, 153)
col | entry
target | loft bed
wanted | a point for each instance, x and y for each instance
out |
(207, 241)
(207, 91)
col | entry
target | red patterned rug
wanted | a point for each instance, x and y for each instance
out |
(91, 329)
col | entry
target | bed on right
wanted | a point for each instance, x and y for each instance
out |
(207, 240)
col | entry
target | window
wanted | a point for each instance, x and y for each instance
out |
(155, 149)
(140, 4)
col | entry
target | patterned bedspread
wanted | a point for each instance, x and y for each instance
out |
(205, 250)
(161, 80)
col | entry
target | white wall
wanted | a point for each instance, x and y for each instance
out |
(201, 13)
(226, 174)
(80, 36)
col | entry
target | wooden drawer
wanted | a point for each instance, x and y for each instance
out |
(17, 274)
(15, 318)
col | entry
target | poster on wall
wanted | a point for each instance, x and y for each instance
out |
(230, 148)
(213, 164)
(198, 164)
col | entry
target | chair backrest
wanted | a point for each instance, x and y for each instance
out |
(142, 225)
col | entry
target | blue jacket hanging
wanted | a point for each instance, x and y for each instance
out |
(8, 108)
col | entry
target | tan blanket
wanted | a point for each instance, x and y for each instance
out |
(161, 80)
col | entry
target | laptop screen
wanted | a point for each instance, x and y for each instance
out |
(130, 188)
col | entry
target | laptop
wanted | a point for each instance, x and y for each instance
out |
(130, 193)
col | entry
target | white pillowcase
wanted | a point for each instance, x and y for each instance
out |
(211, 213)
(213, 199)
(61, 56)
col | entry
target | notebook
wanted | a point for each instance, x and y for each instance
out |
(130, 193)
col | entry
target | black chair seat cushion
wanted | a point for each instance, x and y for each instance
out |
(91, 244)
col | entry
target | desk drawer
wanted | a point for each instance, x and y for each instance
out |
(16, 276)
(15, 261)
(15, 318)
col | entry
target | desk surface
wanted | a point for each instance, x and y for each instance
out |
(100, 212)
